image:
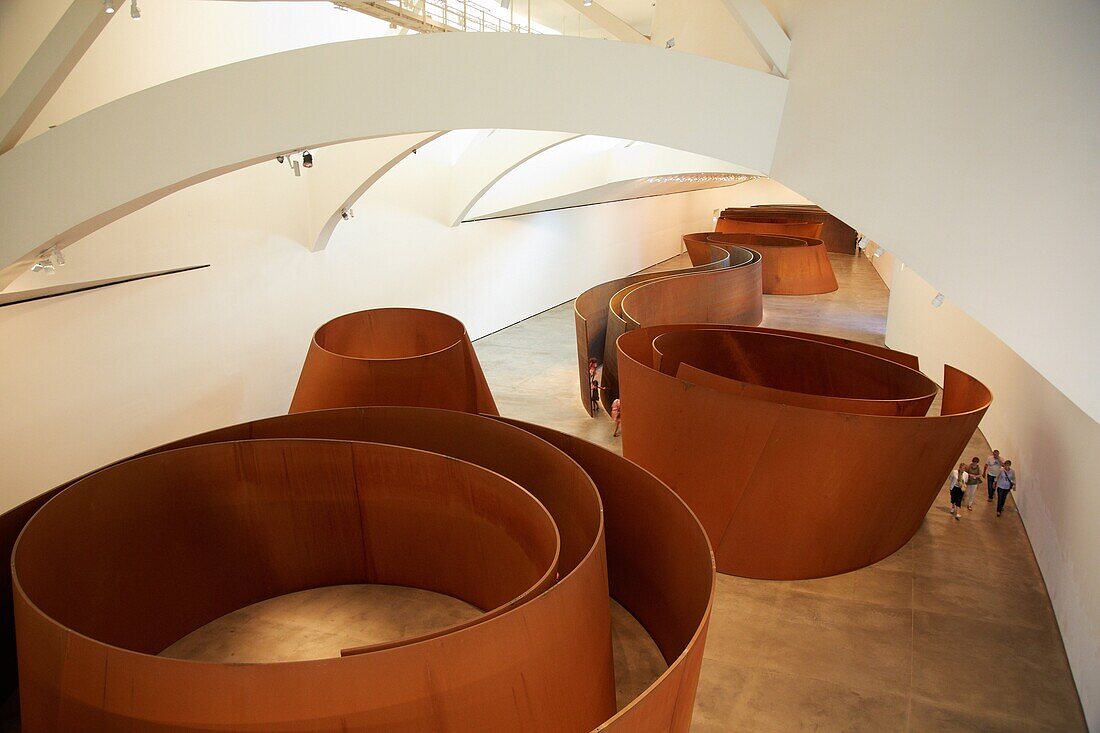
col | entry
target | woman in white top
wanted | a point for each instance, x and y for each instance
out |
(956, 482)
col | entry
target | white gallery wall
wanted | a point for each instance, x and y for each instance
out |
(104, 374)
(1051, 443)
(963, 136)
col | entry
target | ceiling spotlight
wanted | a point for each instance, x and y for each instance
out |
(135, 11)
(307, 159)
(878, 252)
(280, 158)
(670, 43)
(938, 300)
(108, 6)
(861, 242)
(346, 214)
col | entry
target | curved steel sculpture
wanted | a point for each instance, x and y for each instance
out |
(838, 236)
(722, 286)
(784, 225)
(393, 356)
(755, 429)
(529, 524)
(789, 265)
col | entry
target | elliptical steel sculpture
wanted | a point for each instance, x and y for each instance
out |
(728, 416)
(783, 225)
(838, 236)
(533, 526)
(722, 286)
(393, 356)
(789, 265)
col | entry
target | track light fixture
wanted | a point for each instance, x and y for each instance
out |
(295, 162)
(49, 261)
(135, 11)
(938, 300)
(346, 214)
(108, 6)
(670, 43)
(861, 242)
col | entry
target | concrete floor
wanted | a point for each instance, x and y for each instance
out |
(954, 632)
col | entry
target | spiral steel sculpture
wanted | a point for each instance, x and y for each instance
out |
(532, 526)
(754, 429)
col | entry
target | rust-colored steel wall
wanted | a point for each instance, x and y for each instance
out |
(784, 226)
(771, 475)
(838, 236)
(657, 560)
(789, 265)
(392, 356)
(723, 286)
(198, 527)
(796, 270)
(794, 371)
(725, 296)
(591, 310)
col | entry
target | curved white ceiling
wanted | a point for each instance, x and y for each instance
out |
(113, 160)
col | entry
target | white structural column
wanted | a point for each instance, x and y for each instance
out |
(320, 232)
(492, 158)
(82, 175)
(48, 67)
(607, 20)
(764, 31)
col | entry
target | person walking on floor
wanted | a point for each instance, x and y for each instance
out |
(958, 478)
(991, 471)
(617, 416)
(1006, 482)
(594, 395)
(972, 480)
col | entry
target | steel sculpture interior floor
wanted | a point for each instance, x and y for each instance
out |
(955, 632)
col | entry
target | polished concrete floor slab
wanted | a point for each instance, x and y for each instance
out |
(954, 632)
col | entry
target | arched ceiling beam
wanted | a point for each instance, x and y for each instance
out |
(764, 31)
(483, 166)
(47, 68)
(324, 234)
(607, 20)
(82, 175)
